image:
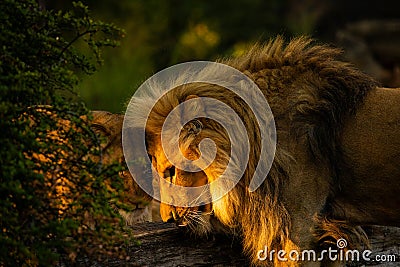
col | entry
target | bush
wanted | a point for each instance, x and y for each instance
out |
(53, 194)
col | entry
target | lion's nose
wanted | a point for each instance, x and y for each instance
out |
(175, 215)
(166, 213)
(169, 218)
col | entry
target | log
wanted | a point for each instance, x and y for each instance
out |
(385, 242)
(164, 244)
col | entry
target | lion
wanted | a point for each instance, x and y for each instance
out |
(336, 164)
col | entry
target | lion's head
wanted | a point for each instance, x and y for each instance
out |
(231, 213)
(196, 217)
(311, 94)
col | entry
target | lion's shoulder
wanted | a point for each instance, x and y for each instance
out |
(308, 85)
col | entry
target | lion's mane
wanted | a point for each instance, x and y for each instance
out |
(311, 92)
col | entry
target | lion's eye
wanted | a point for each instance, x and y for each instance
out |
(170, 172)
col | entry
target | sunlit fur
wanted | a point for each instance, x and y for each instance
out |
(311, 93)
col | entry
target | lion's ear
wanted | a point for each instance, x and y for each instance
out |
(107, 123)
(99, 122)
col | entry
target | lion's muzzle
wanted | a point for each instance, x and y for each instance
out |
(183, 215)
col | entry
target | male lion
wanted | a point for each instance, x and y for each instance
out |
(337, 160)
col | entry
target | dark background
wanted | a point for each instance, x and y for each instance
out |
(160, 33)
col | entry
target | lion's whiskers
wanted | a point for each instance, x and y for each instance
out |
(197, 222)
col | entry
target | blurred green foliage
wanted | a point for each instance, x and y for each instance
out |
(163, 33)
(54, 195)
(160, 33)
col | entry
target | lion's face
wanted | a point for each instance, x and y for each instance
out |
(182, 216)
(198, 218)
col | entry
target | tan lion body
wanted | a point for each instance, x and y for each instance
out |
(371, 141)
(336, 164)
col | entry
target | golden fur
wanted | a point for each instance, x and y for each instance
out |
(326, 118)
